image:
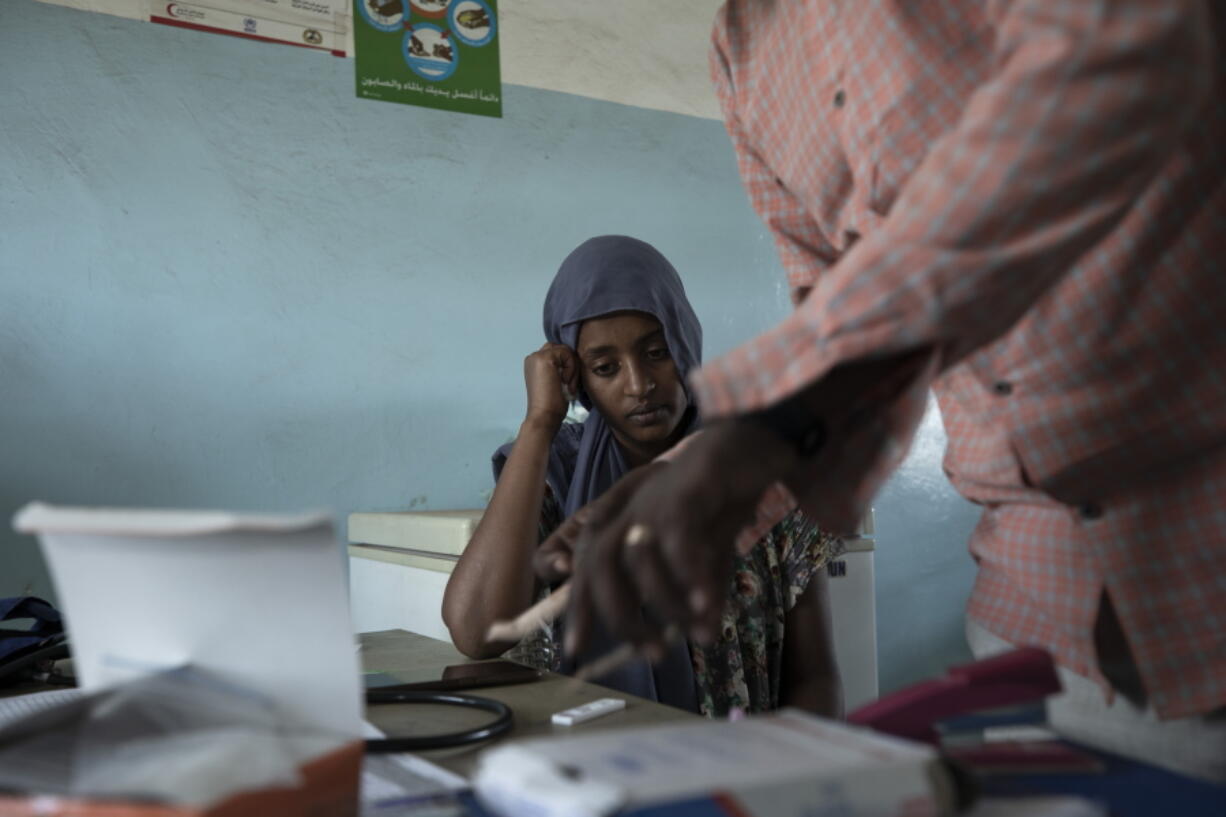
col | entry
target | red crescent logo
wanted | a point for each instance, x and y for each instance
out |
(170, 9)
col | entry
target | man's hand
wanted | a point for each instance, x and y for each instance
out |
(661, 540)
(554, 558)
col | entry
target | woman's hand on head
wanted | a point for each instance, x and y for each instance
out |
(551, 375)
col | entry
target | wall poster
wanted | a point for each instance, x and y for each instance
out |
(321, 24)
(435, 53)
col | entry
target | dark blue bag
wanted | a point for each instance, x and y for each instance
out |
(29, 654)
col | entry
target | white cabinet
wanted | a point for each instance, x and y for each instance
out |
(399, 564)
(853, 615)
(384, 595)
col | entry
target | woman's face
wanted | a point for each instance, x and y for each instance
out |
(629, 374)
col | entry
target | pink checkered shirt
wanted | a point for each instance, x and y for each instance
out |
(1034, 193)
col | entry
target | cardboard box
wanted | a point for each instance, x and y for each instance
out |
(329, 789)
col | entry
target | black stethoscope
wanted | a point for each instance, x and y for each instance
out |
(500, 725)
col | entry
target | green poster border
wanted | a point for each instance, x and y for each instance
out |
(381, 73)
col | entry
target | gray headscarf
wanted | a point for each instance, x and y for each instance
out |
(602, 275)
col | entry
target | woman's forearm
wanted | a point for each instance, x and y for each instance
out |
(493, 579)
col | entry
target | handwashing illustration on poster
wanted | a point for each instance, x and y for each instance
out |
(436, 53)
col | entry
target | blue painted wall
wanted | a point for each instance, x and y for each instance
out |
(226, 282)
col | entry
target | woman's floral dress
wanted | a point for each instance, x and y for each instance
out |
(743, 668)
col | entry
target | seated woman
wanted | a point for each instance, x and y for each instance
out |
(622, 338)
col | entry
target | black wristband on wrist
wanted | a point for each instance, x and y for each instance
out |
(792, 423)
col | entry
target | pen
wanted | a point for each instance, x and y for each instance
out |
(547, 610)
(534, 618)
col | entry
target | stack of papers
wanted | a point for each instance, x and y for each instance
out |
(788, 764)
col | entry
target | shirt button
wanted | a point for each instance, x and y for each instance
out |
(1090, 510)
(839, 98)
(1003, 387)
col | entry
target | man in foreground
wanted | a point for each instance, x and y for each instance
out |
(1020, 206)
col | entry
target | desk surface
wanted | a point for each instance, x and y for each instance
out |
(1131, 789)
(400, 651)
(533, 703)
